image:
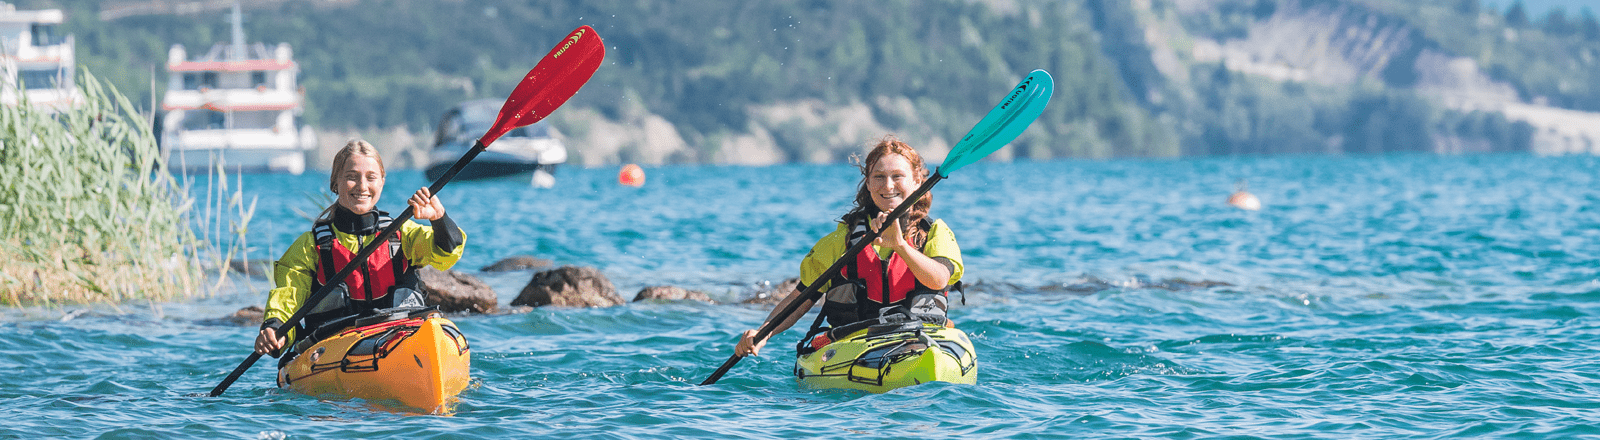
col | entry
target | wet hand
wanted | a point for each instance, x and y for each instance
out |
(891, 237)
(425, 206)
(748, 345)
(268, 341)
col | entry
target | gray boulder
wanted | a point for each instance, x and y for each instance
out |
(771, 297)
(569, 286)
(520, 262)
(456, 292)
(260, 268)
(671, 293)
(246, 317)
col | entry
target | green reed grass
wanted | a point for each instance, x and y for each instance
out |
(88, 212)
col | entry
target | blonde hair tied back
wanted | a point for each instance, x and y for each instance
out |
(341, 160)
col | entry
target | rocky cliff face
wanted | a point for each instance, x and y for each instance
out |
(806, 131)
(1321, 42)
(1338, 43)
(1343, 43)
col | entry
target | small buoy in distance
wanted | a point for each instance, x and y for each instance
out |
(631, 175)
(1243, 199)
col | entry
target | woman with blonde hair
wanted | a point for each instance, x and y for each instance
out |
(386, 279)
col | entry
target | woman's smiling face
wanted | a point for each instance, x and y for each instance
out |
(360, 184)
(890, 181)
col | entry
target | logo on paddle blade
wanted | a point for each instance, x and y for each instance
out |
(573, 39)
(1018, 92)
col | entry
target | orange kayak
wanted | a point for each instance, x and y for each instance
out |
(419, 362)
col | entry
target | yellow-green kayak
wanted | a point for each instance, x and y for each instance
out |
(888, 356)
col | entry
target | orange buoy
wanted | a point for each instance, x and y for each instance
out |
(631, 175)
(1243, 199)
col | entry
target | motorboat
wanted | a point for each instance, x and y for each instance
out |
(527, 152)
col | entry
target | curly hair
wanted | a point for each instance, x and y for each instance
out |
(864, 207)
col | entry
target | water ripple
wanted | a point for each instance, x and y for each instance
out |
(1373, 297)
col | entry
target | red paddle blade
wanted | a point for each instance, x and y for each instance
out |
(557, 77)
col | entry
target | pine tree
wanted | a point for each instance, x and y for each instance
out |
(1517, 15)
(1556, 23)
(1588, 26)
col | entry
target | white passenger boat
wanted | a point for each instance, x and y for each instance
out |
(36, 59)
(237, 105)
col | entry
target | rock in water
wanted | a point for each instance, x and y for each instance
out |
(569, 286)
(246, 317)
(456, 292)
(671, 293)
(771, 297)
(520, 262)
(254, 268)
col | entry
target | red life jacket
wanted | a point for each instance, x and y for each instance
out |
(377, 276)
(886, 283)
(368, 287)
(879, 283)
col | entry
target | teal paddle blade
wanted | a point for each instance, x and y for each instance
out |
(1003, 124)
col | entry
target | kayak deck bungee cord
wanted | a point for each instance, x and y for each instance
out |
(884, 357)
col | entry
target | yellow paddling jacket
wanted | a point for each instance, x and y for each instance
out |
(295, 273)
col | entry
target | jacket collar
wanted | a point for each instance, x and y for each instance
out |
(358, 224)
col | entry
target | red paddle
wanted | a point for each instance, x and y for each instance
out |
(557, 77)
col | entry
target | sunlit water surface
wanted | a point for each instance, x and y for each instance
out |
(1381, 297)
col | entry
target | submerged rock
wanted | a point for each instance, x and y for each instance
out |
(520, 262)
(1091, 285)
(771, 297)
(1176, 284)
(246, 317)
(671, 293)
(456, 292)
(254, 268)
(569, 286)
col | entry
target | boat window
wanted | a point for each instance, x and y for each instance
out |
(479, 113)
(476, 117)
(198, 80)
(531, 131)
(254, 120)
(44, 34)
(449, 128)
(258, 79)
(203, 120)
(39, 79)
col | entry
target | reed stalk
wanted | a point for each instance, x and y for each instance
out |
(88, 211)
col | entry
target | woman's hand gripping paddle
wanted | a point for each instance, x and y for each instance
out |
(557, 77)
(998, 128)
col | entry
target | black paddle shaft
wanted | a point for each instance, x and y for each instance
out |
(813, 290)
(354, 262)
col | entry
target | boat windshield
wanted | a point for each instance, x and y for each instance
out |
(476, 118)
(472, 119)
(537, 130)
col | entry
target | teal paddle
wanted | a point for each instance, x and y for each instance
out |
(556, 78)
(998, 128)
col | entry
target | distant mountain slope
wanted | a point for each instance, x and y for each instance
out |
(814, 80)
(1386, 44)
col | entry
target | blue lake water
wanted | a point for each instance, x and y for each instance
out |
(1372, 296)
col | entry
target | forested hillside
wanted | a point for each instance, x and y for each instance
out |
(812, 80)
